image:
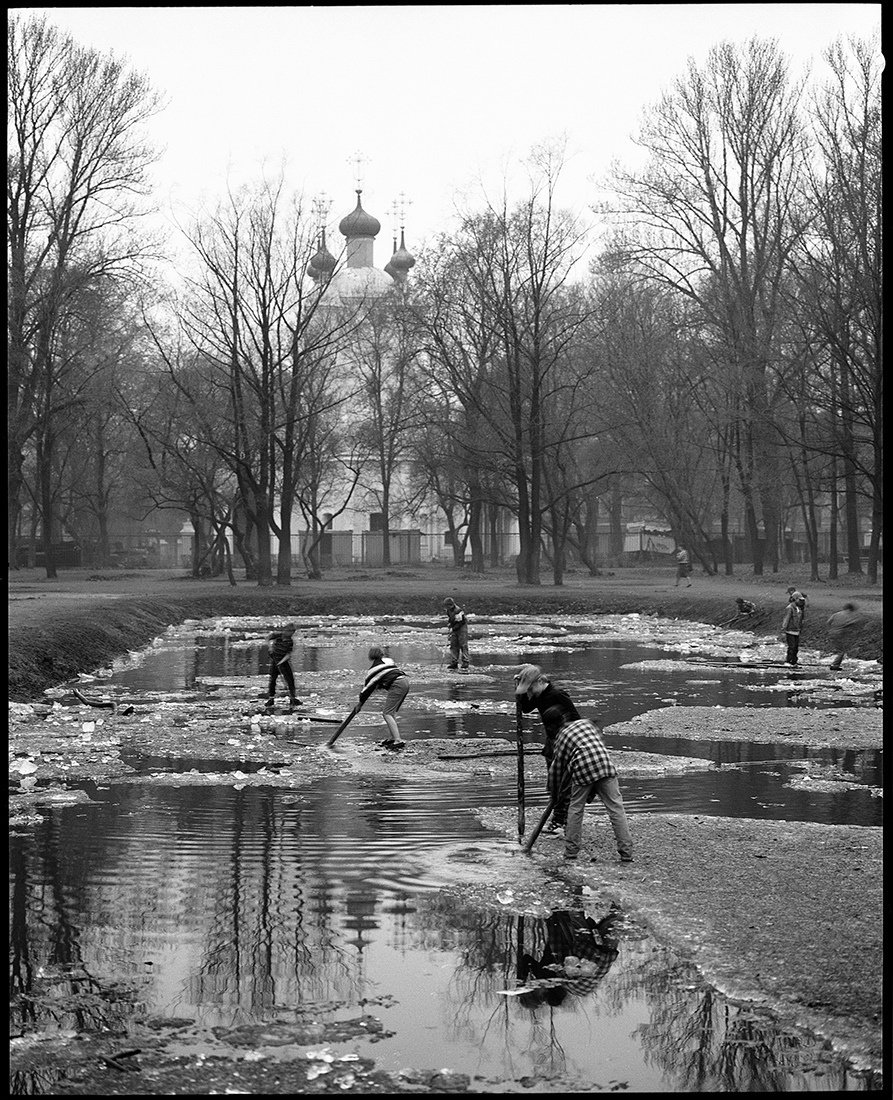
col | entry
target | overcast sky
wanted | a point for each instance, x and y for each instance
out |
(434, 98)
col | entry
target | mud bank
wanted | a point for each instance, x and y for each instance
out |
(81, 622)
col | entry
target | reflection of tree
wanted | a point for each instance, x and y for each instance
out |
(710, 1044)
(51, 987)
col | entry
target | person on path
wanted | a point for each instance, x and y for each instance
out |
(790, 628)
(534, 691)
(458, 633)
(280, 645)
(683, 567)
(843, 627)
(384, 675)
(581, 769)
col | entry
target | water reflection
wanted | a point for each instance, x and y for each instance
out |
(593, 667)
(235, 907)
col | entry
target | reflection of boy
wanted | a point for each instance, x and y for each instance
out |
(280, 646)
(569, 932)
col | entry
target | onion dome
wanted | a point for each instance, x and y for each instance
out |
(402, 259)
(358, 223)
(323, 262)
(389, 266)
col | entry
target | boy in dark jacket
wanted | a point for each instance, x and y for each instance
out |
(458, 633)
(280, 645)
(534, 691)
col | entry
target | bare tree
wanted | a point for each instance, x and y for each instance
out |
(840, 280)
(77, 175)
(715, 217)
(255, 323)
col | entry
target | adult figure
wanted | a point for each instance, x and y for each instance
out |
(458, 633)
(843, 626)
(683, 567)
(384, 675)
(790, 628)
(535, 691)
(280, 645)
(581, 769)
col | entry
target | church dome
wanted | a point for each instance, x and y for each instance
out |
(402, 259)
(358, 223)
(322, 263)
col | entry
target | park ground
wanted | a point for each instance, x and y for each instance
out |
(783, 915)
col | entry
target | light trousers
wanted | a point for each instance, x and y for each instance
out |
(608, 790)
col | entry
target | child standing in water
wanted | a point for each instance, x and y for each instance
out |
(383, 675)
(280, 645)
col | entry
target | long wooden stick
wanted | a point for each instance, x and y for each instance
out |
(539, 828)
(518, 719)
(356, 710)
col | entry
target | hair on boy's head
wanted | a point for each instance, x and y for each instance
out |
(849, 607)
(449, 602)
(528, 675)
(554, 717)
(375, 653)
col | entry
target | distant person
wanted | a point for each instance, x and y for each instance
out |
(581, 769)
(683, 567)
(457, 632)
(384, 675)
(798, 597)
(280, 645)
(844, 627)
(535, 691)
(743, 610)
(790, 628)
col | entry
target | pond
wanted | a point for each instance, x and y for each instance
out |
(225, 908)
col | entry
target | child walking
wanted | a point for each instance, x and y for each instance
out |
(280, 645)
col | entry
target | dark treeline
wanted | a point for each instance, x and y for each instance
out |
(717, 364)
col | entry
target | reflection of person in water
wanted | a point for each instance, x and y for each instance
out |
(569, 932)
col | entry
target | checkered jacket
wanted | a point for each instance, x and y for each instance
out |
(580, 757)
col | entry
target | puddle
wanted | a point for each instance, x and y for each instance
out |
(231, 909)
(614, 666)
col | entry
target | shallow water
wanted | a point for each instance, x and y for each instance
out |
(229, 906)
(237, 907)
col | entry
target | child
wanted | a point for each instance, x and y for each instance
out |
(383, 675)
(535, 691)
(280, 645)
(458, 633)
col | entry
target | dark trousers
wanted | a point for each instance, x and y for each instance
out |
(284, 670)
(459, 647)
(793, 641)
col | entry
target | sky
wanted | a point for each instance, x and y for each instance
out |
(443, 102)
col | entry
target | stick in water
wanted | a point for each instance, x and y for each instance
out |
(356, 710)
(518, 717)
(539, 828)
